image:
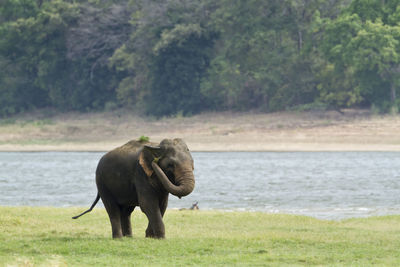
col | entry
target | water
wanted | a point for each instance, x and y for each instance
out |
(327, 185)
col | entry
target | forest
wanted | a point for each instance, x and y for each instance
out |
(169, 57)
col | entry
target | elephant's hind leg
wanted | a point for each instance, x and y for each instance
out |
(126, 221)
(114, 213)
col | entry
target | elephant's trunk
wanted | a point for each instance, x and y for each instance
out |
(185, 181)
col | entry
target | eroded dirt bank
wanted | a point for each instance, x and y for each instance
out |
(354, 130)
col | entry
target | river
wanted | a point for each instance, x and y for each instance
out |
(325, 185)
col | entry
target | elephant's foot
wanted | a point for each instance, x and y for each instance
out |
(155, 237)
(117, 236)
(150, 234)
(127, 232)
(117, 233)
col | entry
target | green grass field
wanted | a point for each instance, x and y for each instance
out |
(49, 237)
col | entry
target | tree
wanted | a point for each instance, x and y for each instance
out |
(377, 48)
(166, 57)
(365, 52)
(11, 10)
(56, 53)
(90, 43)
(181, 59)
(264, 56)
(98, 33)
(185, 56)
(34, 49)
(337, 86)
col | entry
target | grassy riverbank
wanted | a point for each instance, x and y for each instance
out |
(352, 130)
(49, 237)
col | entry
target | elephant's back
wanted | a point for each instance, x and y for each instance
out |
(119, 159)
(117, 166)
(126, 152)
(131, 147)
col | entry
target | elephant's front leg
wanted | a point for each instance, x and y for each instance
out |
(163, 203)
(156, 228)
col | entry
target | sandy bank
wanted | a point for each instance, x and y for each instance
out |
(354, 130)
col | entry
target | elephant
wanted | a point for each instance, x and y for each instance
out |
(140, 173)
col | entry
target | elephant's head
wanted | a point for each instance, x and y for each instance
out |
(173, 165)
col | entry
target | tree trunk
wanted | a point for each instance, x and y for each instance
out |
(300, 40)
(393, 94)
(394, 108)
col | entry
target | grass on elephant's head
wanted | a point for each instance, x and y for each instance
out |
(144, 139)
(48, 237)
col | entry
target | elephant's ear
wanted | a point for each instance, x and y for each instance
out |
(148, 154)
(155, 151)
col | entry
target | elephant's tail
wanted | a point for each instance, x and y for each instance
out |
(89, 210)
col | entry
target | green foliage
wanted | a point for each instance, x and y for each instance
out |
(11, 10)
(184, 56)
(40, 68)
(144, 138)
(166, 57)
(32, 50)
(364, 51)
(181, 59)
(261, 60)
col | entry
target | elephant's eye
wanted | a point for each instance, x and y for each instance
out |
(170, 166)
